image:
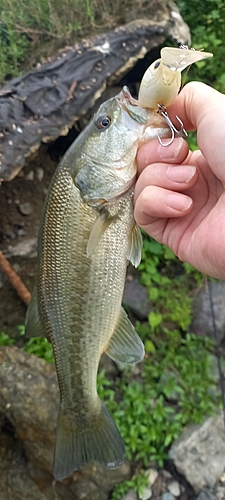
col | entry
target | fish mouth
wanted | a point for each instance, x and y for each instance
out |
(131, 106)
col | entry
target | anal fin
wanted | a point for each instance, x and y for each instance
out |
(125, 345)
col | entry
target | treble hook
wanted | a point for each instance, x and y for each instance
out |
(180, 133)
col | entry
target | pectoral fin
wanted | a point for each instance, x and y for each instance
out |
(99, 227)
(33, 324)
(125, 346)
(135, 246)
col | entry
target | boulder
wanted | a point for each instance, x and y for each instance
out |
(199, 454)
(202, 323)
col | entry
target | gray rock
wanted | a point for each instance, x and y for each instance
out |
(131, 495)
(152, 476)
(29, 400)
(167, 496)
(30, 176)
(220, 491)
(25, 248)
(199, 454)
(202, 318)
(25, 208)
(207, 495)
(174, 488)
(136, 298)
(147, 494)
(39, 174)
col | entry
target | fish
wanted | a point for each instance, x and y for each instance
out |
(87, 236)
(161, 81)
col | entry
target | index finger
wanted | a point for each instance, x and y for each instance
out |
(203, 108)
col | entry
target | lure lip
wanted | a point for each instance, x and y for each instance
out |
(178, 59)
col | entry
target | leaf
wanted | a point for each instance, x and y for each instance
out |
(149, 346)
(5, 339)
(155, 319)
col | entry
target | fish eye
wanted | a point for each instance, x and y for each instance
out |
(157, 64)
(102, 122)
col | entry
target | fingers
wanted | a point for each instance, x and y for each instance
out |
(173, 177)
(155, 202)
(153, 152)
(156, 193)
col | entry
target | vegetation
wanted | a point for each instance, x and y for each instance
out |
(206, 22)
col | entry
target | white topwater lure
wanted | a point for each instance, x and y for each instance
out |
(162, 81)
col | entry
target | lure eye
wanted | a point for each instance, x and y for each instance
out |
(102, 122)
(157, 64)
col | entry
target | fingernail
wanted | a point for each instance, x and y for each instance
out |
(178, 201)
(181, 174)
(172, 151)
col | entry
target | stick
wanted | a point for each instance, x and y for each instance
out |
(15, 280)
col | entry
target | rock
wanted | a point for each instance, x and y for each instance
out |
(39, 174)
(207, 495)
(28, 410)
(30, 176)
(25, 208)
(147, 494)
(26, 384)
(131, 495)
(152, 476)
(136, 298)
(202, 318)
(16, 267)
(220, 492)
(174, 488)
(199, 454)
(26, 248)
(167, 496)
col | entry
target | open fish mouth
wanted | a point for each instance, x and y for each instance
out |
(132, 106)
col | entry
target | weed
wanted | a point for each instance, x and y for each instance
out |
(41, 347)
(206, 21)
(5, 339)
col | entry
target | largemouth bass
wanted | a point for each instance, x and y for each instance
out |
(87, 236)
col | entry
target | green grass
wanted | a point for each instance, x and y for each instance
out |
(41, 348)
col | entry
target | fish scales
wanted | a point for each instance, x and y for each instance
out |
(87, 236)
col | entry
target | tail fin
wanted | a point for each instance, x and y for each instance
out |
(77, 445)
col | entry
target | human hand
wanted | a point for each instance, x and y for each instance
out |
(180, 195)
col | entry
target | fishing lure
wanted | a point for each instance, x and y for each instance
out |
(162, 81)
